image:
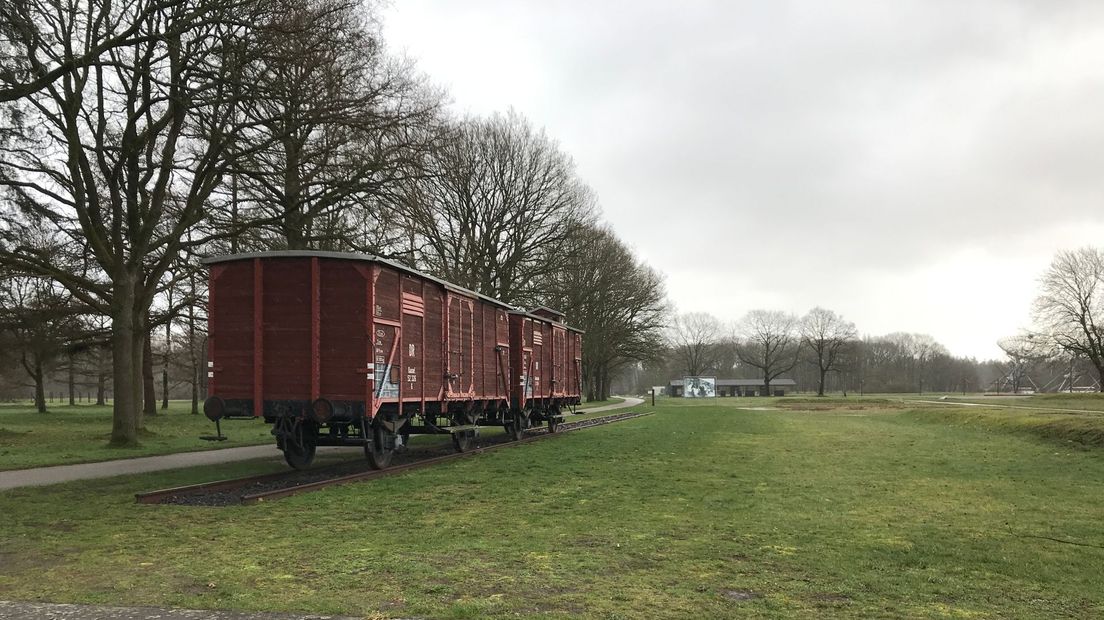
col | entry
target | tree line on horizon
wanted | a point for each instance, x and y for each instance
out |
(138, 137)
(822, 351)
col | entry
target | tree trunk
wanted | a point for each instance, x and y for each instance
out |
(101, 377)
(100, 380)
(40, 386)
(165, 359)
(126, 367)
(294, 218)
(820, 386)
(150, 408)
(588, 382)
(193, 359)
(766, 385)
(195, 391)
(72, 382)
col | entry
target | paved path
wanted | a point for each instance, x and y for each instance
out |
(53, 611)
(66, 473)
(962, 403)
(629, 402)
(85, 471)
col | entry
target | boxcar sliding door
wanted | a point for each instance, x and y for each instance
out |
(559, 355)
(413, 335)
(461, 317)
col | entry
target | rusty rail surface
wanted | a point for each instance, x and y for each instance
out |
(156, 497)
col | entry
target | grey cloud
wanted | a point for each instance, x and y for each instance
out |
(850, 139)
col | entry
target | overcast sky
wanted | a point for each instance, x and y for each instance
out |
(913, 165)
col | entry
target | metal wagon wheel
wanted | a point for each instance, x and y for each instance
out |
(464, 441)
(300, 447)
(515, 427)
(376, 449)
(553, 418)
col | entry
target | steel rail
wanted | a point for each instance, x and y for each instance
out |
(156, 497)
(398, 469)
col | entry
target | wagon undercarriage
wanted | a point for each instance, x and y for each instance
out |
(298, 434)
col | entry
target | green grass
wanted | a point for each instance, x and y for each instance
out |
(838, 511)
(1086, 431)
(79, 434)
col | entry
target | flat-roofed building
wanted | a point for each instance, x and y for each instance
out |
(739, 387)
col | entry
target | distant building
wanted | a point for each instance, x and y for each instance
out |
(739, 387)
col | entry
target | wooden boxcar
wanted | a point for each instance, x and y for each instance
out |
(347, 349)
(546, 360)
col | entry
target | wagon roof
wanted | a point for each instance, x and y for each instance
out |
(353, 256)
(529, 313)
(226, 258)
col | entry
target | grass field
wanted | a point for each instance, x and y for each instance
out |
(803, 508)
(79, 434)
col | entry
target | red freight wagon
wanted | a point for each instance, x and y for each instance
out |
(349, 349)
(547, 361)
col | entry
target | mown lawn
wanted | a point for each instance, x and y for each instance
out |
(703, 510)
(79, 434)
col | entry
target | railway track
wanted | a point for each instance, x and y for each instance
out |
(267, 487)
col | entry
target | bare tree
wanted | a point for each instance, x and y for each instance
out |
(925, 351)
(768, 340)
(125, 148)
(695, 338)
(826, 335)
(1071, 301)
(42, 325)
(23, 75)
(913, 356)
(498, 205)
(186, 327)
(332, 126)
(615, 298)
